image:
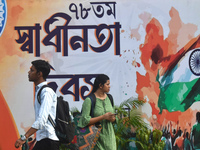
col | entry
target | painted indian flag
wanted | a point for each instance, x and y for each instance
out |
(180, 84)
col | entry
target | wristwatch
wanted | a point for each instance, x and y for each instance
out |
(23, 138)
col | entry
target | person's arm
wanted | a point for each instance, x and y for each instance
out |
(47, 99)
(175, 143)
(177, 127)
(171, 132)
(20, 142)
(30, 132)
(170, 145)
(86, 119)
(192, 137)
(46, 103)
(108, 116)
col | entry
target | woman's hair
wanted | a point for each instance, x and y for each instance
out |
(43, 66)
(100, 80)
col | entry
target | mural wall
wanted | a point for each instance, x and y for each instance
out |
(148, 48)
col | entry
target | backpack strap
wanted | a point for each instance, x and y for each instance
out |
(111, 99)
(39, 101)
(93, 102)
(38, 95)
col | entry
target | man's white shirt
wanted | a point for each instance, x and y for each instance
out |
(48, 106)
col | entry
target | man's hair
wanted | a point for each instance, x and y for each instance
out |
(198, 117)
(180, 132)
(43, 66)
(187, 135)
(100, 80)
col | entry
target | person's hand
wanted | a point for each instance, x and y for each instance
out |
(109, 116)
(19, 143)
(113, 118)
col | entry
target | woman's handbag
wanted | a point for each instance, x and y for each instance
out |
(85, 138)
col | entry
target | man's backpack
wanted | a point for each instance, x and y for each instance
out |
(64, 127)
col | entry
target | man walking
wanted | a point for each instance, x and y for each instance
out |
(46, 138)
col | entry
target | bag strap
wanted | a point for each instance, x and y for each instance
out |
(93, 102)
(39, 101)
(111, 99)
(38, 95)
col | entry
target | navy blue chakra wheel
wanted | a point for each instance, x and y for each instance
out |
(194, 62)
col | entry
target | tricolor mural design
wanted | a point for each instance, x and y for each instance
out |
(148, 48)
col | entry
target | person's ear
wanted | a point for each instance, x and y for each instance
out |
(100, 86)
(40, 74)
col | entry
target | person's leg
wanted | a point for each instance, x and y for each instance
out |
(46, 144)
(39, 145)
(53, 145)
